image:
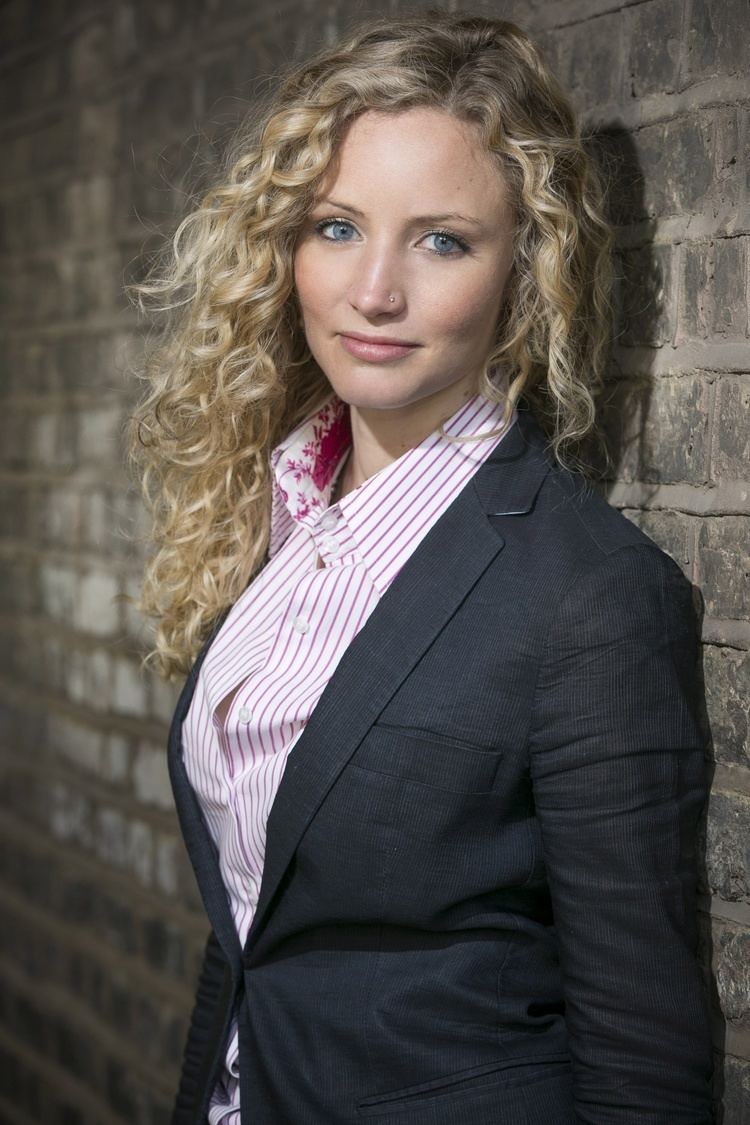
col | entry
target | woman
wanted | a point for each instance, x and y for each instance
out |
(436, 762)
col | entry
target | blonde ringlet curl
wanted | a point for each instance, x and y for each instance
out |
(230, 374)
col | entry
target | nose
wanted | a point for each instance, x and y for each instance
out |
(375, 281)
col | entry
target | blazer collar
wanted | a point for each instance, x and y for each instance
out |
(509, 480)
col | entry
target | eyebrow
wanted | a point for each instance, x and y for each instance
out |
(448, 216)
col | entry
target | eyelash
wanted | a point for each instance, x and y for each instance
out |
(319, 226)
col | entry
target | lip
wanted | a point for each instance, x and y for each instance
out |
(375, 348)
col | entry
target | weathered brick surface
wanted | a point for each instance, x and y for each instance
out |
(714, 299)
(659, 429)
(723, 566)
(111, 114)
(728, 846)
(734, 1084)
(727, 674)
(731, 449)
(715, 44)
(647, 286)
(654, 41)
(733, 973)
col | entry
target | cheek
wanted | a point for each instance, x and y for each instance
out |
(312, 282)
(465, 316)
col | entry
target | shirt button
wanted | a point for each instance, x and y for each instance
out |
(328, 521)
(300, 624)
(331, 545)
(244, 714)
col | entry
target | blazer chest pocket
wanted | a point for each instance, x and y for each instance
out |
(434, 760)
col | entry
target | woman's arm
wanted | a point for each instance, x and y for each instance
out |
(620, 779)
(206, 1038)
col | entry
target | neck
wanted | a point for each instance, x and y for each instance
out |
(340, 488)
(381, 436)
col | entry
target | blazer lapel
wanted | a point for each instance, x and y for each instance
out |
(416, 606)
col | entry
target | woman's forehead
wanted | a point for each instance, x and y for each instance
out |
(423, 151)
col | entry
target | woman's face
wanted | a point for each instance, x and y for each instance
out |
(414, 208)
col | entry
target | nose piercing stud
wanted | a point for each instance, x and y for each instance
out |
(391, 299)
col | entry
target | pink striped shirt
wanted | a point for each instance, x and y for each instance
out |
(281, 642)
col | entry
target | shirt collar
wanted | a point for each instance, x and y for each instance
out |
(304, 464)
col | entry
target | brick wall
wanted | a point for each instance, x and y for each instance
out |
(109, 111)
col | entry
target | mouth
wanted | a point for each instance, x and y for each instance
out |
(379, 339)
(377, 349)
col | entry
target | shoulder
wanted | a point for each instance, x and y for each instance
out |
(574, 556)
(583, 519)
(611, 573)
(557, 518)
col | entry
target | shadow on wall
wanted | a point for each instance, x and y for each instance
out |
(626, 419)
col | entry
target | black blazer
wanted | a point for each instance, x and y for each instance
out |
(478, 901)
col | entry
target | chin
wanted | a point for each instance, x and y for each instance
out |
(371, 402)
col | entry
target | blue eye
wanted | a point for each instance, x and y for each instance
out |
(444, 236)
(337, 223)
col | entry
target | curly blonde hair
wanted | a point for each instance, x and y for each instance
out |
(231, 375)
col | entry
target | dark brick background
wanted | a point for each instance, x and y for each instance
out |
(110, 113)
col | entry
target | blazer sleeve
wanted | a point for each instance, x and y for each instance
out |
(620, 779)
(206, 1035)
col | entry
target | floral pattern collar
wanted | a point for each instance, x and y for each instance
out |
(305, 463)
